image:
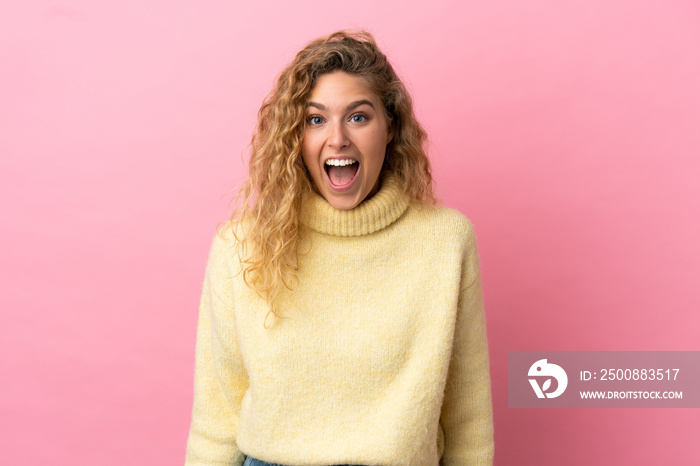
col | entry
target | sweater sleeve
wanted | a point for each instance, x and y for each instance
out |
(466, 417)
(220, 380)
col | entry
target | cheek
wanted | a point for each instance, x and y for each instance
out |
(377, 146)
(309, 146)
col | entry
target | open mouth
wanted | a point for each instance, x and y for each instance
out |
(341, 173)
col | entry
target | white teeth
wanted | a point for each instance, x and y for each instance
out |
(340, 163)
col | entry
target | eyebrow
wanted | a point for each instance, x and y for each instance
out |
(350, 106)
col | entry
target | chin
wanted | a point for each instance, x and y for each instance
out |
(344, 205)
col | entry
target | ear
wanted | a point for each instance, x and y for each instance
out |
(390, 134)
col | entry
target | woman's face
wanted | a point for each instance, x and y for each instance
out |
(345, 139)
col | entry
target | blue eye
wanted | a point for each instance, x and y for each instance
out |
(315, 120)
(359, 118)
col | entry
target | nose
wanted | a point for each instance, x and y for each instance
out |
(338, 137)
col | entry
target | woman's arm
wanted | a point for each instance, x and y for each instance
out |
(466, 415)
(220, 380)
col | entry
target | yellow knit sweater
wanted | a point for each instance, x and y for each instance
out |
(382, 359)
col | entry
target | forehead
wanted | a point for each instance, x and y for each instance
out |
(341, 87)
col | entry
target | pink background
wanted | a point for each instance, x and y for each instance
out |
(567, 131)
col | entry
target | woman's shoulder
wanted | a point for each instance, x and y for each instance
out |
(227, 237)
(232, 230)
(441, 220)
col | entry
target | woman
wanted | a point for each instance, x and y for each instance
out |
(341, 319)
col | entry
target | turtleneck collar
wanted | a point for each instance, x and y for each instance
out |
(370, 215)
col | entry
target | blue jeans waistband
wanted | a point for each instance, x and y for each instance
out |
(250, 461)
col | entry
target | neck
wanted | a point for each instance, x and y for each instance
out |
(377, 211)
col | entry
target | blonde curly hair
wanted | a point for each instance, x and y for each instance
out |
(278, 177)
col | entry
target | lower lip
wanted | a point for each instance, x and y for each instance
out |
(345, 187)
